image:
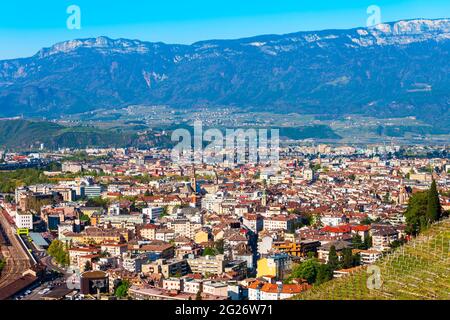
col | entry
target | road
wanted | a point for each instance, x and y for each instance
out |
(48, 262)
(38, 292)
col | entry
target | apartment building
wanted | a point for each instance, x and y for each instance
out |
(279, 222)
(24, 220)
(274, 266)
(369, 256)
(168, 268)
(254, 222)
(207, 265)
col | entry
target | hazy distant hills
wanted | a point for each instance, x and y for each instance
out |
(23, 134)
(395, 69)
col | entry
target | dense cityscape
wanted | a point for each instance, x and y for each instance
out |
(133, 224)
(223, 159)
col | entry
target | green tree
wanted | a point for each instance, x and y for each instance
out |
(324, 274)
(356, 259)
(87, 266)
(424, 208)
(347, 258)
(59, 252)
(122, 289)
(416, 213)
(2, 265)
(219, 246)
(333, 259)
(396, 244)
(357, 242)
(367, 242)
(307, 270)
(209, 252)
(198, 296)
(97, 202)
(84, 218)
(434, 209)
(165, 212)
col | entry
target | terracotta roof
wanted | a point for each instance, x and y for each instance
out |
(17, 286)
(295, 288)
(337, 229)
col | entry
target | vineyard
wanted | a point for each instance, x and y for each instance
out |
(419, 270)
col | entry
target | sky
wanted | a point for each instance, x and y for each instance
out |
(26, 26)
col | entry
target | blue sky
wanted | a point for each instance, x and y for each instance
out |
(28, 25)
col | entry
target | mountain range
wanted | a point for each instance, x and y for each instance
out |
(391, 70)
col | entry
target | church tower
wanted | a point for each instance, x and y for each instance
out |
(403, 196)
(194, 179)
(264, 199)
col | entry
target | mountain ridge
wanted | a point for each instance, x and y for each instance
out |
(394, 69)
(380, 27)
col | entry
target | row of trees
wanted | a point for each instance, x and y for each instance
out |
(424, 208)
(357, 242)
(317, 273)
(9, 181)
(312, 271)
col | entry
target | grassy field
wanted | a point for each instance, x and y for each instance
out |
(420, 270)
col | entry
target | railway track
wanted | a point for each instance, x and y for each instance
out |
(13, 269)
(17, 260)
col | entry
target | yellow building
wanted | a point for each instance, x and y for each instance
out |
(148, 231)
(296, 248)
(95, 219)
(202, 236)
(89, 211)
(291, 248)
(274, 266)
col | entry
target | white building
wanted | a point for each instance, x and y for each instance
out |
(370, 256)
(114, 209)
(132, 264)
(213, 202)
(173, 284)
(93, 191)
(382, 238)
(265, 245)
(333, 220)
(259, 290)
(193, 286)
(24, 220)
(216, 288)
(278, 223)
(308, 175)
(165, 235)
(153, 213)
